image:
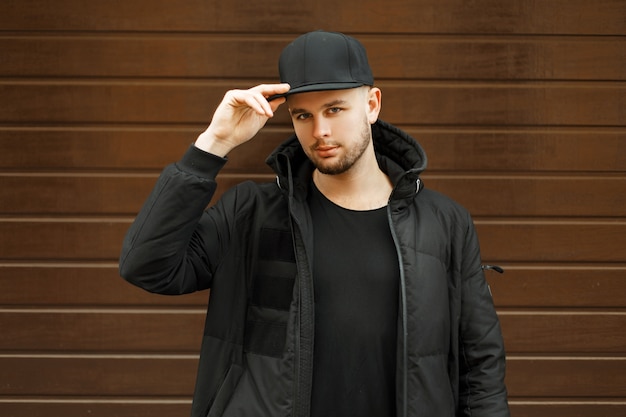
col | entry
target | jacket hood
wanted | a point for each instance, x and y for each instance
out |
(399, 155)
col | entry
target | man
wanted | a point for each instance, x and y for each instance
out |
(345, 288)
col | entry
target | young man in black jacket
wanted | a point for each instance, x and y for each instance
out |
(345, 288)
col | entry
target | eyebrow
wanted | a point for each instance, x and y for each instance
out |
(324, 106)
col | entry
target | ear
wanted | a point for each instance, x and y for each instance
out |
(374, 97)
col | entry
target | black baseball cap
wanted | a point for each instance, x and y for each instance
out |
(320, 60)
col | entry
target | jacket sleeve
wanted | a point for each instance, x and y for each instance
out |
(482, 391)
(165, 250)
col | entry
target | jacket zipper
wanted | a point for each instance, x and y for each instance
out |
(303, 355)
(405, 359)
(304, 348)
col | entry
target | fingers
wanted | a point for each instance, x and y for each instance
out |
(263, 98)
(239, 117)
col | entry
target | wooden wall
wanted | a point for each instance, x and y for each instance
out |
(521, 106)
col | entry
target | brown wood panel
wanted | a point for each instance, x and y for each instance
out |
(512, 149)
(98, 375)
(535, 196)
(98, 407)
(520, 106)
(561, 286)
(552, 241)
(80, 285)
(564, 332)
(394, 16)
(132, 330)
(566, 408)
(94, 407)
(122, 330)
(74, 194)
(501, 240)
(426, 103)
(567, 196)
(100, 148)
(521, 286)
(391, 57)
(174, 376)
(62, 239)
(462, 149)
(517, 196)
(545, 377)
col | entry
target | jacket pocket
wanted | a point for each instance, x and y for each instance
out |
(226, 390)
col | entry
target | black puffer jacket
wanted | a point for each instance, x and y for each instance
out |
(253, 249)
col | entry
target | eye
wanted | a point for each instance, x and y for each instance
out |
(334, 110)
(301, 116)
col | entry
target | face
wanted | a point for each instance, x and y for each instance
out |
(334, 127)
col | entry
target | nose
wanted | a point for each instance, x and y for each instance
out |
(321, 128)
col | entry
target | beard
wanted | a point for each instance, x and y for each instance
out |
(348, 160)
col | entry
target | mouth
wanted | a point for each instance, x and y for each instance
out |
(326, 151)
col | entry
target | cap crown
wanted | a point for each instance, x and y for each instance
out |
(322, 60)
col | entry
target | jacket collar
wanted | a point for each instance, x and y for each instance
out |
(399, 155)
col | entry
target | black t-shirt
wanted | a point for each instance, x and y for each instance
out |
(355, 274)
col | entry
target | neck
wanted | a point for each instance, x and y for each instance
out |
(362, 187)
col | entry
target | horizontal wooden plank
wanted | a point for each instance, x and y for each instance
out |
(554, 104)
(111, 330)
(94, 407)
(542, 377)
(552, 240)
(449, 149)
(483, 195)
(149, 408)
(501, 240)
(180, 330)
(563, 286)
(391, 57)
(457, 16)
(62, 239)
(97, 407)
(74, 194)
(568, 408)
(99, 376)
(149, 376)
(80, 285)
(511, 149)
(521, 286)
(426, 103)
(563, 332)
(535, 196)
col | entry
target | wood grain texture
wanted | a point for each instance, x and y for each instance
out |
(456, 149)
(524, 286)
(172, 376)
(95, 407)
(104, 330)
(80, 285)
(482, 195)
(423, 102)
(100, 239)
(567, 408)
(519, 105)
(391, 56)
(519, 17)
(566, 377)
(98, 375)
(179, 330)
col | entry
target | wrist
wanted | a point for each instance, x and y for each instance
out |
(207, 142)
(200, 163)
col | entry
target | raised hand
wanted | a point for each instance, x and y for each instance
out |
(240, 115)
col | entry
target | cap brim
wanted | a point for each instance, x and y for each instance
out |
(317, 87)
